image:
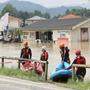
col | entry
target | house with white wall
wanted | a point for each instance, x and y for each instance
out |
(14, 22)
(75, 29)
(9, 21)
(34, 19)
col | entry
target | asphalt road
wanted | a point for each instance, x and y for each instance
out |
(7, 83)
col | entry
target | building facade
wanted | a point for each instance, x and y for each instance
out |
(34, 19)
(81, 32)
(14, 22)
(73, 29)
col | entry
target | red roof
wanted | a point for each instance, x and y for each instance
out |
(70, 16)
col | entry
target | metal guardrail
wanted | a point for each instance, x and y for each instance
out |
(23, 59)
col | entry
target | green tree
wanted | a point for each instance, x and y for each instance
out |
(23, 16)
(38, 13)
(82, 12)
(0, 14)
(46, 15)
(67, 11)
(88, 13)
(9, 8)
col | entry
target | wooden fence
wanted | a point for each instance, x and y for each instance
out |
(19, 60)
(75, 66)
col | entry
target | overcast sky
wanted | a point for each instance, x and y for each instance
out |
(56, 3)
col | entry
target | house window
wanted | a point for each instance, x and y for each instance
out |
(84, 30)
(84, 34)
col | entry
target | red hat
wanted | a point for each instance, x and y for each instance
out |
(78, 52)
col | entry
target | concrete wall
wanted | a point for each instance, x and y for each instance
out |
(58, 33)
(86, 25)
(75, 35)
(14, 24)
(89, 33)
(29, 35)
(28, 22)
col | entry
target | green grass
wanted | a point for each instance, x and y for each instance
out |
(34, 77)
(76, 85)
(21, 74)
(79, 85)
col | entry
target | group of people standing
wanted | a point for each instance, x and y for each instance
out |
(26, 53)
(79, 59)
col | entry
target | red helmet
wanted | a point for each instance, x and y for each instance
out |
(78, 52)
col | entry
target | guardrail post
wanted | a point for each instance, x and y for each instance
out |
(73, 73)
(46, 70)
(18, 64)
(2, 62)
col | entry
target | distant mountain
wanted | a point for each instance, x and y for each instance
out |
(30, 7)
(24, 6)
(57, 11)
(61, 10)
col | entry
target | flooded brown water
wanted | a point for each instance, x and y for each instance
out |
(13, 50)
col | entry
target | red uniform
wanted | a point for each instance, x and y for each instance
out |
(26, 53)
(81, 71)
(44, 57)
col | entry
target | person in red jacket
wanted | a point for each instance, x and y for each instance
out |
(44, 56)
(26, 52)
(80, 71)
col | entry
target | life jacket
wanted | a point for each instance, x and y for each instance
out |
(26, 52)
(81, 71)
(80, 60)
(44, 56)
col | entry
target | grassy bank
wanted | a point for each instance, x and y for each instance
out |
(20, 74)
(34, 77)
(76, 85)
(79, 85)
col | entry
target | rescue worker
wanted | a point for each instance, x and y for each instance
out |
(62, 50)
(26, 52)
(44, 56)
(80, 71)
(64, 53)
